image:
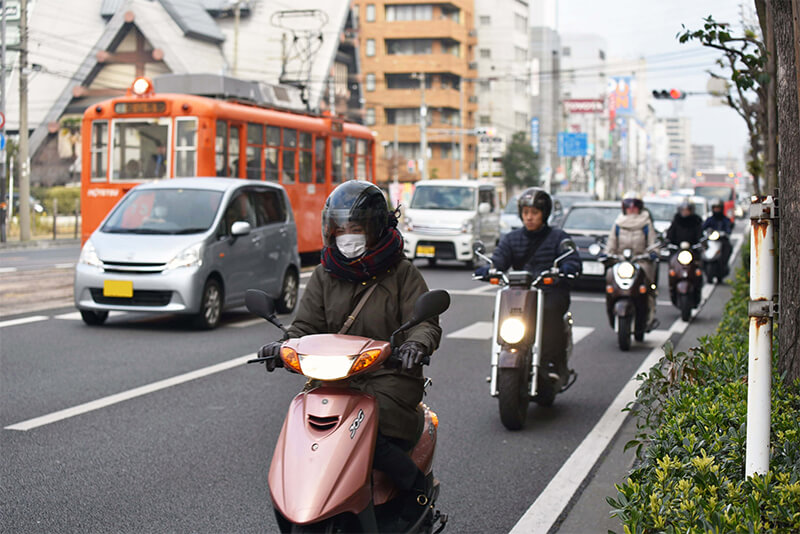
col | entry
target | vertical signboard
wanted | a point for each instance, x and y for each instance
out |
(535, 134)
(620, 89)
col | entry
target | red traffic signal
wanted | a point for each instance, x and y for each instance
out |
(672, 94)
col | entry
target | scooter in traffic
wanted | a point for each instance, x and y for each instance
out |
(517, 374)
(628, 295)
(321, 477)
(714, 265)
(685, 277)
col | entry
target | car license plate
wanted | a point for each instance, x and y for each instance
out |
(426, 251)
(593, 268)
(118, 288)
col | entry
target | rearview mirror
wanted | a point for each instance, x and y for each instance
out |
(240, 228)
(566, 245)
(484, 208)
(430, 304)
(479, 247)
(259, 303)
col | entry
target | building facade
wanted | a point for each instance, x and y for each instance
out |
(419, 59)
(545, 98)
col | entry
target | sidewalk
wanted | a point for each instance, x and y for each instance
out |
(589, 513)
(39, 243)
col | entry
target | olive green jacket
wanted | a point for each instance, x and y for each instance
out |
(326, 303)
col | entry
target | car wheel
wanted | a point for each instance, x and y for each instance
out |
(94, 318)
(288, 298)
(210, 306)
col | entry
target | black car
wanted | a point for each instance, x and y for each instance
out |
(588, 223)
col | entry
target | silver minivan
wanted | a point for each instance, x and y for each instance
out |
(190, 246)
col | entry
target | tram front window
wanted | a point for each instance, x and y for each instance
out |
(140, 149)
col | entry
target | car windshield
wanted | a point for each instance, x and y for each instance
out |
(661, 211)
(511, 207)
(164, 211)
(714, 191)
(434, 197)
(568, 199)
(590, 218)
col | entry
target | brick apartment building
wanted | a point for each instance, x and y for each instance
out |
(399, 41)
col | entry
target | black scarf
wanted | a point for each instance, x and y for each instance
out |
(382, 257)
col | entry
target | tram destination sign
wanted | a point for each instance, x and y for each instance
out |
(140, 107)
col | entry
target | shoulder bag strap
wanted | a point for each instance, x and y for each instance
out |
(357, 309)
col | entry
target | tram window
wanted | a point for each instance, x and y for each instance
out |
(369, 169)
(319, 162)
(233, 152)
(305, 140)
(255, 134)
(305, 168)
(351, 146)
(271, 163)
(361, 145)
(269, 207)
(349, 170)
(99, 151)
(290, 137)
(362, 169)
(253, 162)
(185, 146)
(273, 136)
(140, 149)
(221, 148)
(288, 169)
(336, 163)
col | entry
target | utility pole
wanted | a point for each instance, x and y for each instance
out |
(462, 125)
(24, 162)
(236, 13)
(423, 124)
(4, 196)
(396, 154)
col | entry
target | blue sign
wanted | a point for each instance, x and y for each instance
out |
(535, 134)
(572, 144)
(2, 142)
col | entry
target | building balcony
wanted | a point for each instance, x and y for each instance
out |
(411, 98)
(396, 64)
(417, 29)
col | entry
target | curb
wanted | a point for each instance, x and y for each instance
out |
(39, 243)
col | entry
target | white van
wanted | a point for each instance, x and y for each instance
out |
(447, 216)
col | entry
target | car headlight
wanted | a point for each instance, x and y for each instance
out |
(685, 257)
(714, 236)
(512, 330)
(89, 255)
(625, 270)
(409, 226)
(189, 257)
(466, 226)
(504, 225)
(595, 249)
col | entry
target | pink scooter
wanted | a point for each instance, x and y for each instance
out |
(321, 477)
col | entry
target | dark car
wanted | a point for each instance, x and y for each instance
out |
(588, 223)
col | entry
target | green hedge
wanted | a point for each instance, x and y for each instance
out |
(68, 198)
(691, 434)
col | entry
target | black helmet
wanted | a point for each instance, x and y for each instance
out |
(359, 202)
(537, 198)
(717, 203)
(630, 200)
(686, 205)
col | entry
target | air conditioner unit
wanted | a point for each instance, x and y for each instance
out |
(473, 65)
(473, 32)
(473, 100)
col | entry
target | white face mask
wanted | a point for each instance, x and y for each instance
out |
(351, 245)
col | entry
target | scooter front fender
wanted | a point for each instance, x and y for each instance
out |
(623, 308)
(683, 287)
(510, 360)
(323, 459)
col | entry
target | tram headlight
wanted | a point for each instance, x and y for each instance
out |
(685, 257)
(141, 86)
(625, 270)
(512, 330)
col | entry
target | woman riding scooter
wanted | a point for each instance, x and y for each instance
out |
(363, 252)
(533, 248)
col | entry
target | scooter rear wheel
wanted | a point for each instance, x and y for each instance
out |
(624, 332)
(513, 396)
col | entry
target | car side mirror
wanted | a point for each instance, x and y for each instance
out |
(484, 208)
(240, 228)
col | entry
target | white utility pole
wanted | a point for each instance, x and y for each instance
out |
(24, 160)
(423, 124)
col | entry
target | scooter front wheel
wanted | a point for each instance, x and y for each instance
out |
(685, 305)
(512, 384)
(624, 332)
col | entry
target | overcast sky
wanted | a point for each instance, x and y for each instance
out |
(647, 28)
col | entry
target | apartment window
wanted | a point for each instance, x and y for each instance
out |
(520, 23)
(602, 55)
(451, 13)
(451, 47)
(520, 87)
(370, 47)
(449, 116)
(370, 82)
(566, 51)
(408, 150)
(485, 53)
(406, 81)
(485, 20)
(450, 151)
(409, 12)
(520, 121)
(485, 120)
(484, 86)
(402, 116)
(408, 47)
(370, 15)
(369, 118)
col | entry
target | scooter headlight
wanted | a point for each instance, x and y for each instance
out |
(685, 257)
(331, 367)
(512, 330)
(625, 270)
(714, 236)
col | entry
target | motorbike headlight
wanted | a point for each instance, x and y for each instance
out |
(595, 249)
(512, 330)
(466, 226)
(409, 226)
(89, 255)
(625, 270)
(685, 257)
(333, 367)
(189, 257)
(714, 236)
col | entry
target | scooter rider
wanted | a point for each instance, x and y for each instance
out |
(686, 225)
(719, 222)
(633, 229)
(533, 248)
(363, 249)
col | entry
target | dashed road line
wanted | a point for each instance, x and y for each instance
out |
(23, 320)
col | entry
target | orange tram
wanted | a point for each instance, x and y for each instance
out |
(146, 136)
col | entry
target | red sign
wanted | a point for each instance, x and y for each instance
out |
(583, 105)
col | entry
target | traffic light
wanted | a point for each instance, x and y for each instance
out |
(672, 94)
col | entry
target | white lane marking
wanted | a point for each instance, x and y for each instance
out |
(306, 274)
(76, 316)
(580, 332)
(544, 512)
(23, 320)
(130, 394)
(478, 330)
(8, 270)
(64, 265)
(250, 322)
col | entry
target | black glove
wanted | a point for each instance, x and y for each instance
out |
(411, 353)
(482, 272)
(272, 352)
